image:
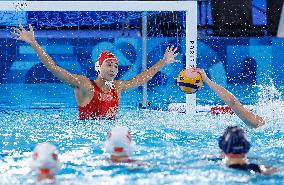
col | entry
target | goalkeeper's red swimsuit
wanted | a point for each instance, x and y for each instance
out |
(103, 105)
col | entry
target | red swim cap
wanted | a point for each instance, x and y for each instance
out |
(225, 109)
(106, 55)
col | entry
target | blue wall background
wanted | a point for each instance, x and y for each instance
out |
(75, 39)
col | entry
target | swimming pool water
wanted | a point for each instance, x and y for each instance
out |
(173, 146)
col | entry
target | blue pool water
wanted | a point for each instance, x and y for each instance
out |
(175, 147)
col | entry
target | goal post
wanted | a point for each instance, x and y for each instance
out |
(190, 7)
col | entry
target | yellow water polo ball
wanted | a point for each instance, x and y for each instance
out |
(189, 81)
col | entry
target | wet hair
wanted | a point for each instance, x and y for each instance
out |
(234, 141)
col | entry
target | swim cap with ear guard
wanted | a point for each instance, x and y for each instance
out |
(105, 56)
(234, 141)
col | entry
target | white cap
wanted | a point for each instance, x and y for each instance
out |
(45, 156)
(119, 142)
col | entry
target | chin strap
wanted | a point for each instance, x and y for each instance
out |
(109, 83)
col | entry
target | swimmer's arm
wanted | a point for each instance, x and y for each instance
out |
(145, 76)
(28, 36)
(267, 170)
(243, 113)
(70, 79)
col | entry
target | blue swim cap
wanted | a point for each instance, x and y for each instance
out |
(234, 141)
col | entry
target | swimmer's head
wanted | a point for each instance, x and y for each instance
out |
(119, 142)
(45, 159)
(105, 56)
(234, 141)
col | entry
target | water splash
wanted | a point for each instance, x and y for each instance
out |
(271, 103)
